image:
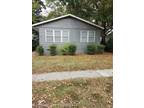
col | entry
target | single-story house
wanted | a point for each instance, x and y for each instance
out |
(68, 29)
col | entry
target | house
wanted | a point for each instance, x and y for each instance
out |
(68, 29)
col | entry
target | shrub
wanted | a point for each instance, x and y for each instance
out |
(109, 45)
(64, 49)
(68, 49)
(40, 50)
(100, 49)
(91, 49)
(95, 49)
(53, 50)
(72, 49)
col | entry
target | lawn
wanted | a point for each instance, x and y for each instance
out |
(76, 93)
(44, 64)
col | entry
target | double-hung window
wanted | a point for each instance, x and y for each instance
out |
(57, 34)
(91, 36)
(83, 36)
(49, 35)
(65, 36)
(87, 36)
(52, 35)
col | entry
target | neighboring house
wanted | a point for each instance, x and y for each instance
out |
(68, 29)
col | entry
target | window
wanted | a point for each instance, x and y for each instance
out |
(57, 34)
(83, 36)
(65, 36)
(49, 35)
(87, 36)
(91, 36)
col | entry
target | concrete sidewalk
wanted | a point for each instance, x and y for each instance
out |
(72, 75)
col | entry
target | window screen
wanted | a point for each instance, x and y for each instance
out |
(83, 36)
(49, 36)
(57, 35)
(91, 36)
(65, 36)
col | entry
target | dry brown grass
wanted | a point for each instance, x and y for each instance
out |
(44, 64)
(79, 93)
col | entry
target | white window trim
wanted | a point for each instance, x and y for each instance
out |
(60, 36)
(88, 31)
(61, 31)
(67, 36)
(93, 36)
(53, 35)
(88, 36)
(82, 36)
(45, 35)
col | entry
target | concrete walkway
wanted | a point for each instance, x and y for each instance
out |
(72, 75)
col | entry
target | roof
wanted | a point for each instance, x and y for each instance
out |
(65, 16)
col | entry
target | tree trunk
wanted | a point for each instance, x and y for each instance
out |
(103, 35)
(103, 41)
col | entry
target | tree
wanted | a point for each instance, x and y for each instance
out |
(56, 9)
(80, 8)
(98, 11)
(104, 15)
(37, 6)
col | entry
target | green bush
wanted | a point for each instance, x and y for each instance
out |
(95, 49)
(64, 49)
(53, 50)
(91, 49)
(40, 50)
(72, 49)
(100, 49)
(68, 49)
(109, 45)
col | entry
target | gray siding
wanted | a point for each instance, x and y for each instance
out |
(74, 26)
